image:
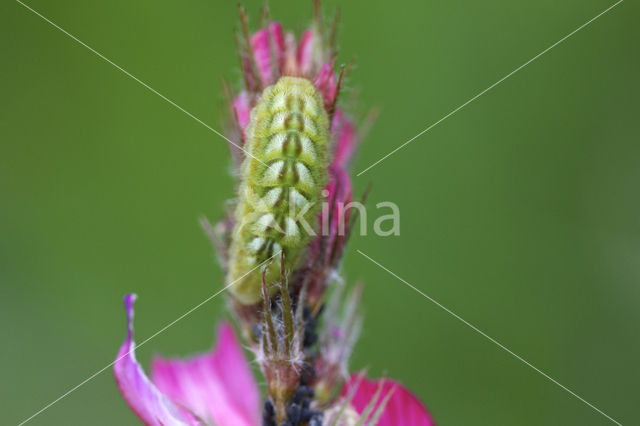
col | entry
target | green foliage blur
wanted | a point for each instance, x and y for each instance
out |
(520, 213)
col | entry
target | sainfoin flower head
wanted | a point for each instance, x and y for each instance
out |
(280, 247)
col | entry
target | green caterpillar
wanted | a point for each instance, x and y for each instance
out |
(282, 180)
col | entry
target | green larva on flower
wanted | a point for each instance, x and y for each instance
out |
(282, 178)
(287, 120)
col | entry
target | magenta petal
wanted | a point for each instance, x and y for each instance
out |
(339, 195)
(217, 386)
(346, 138)
(334, 218)
(262, 43)
(305, 52)
(330, 91)
(151, 406)
(402, 409)
(325, 83)
(241, 109)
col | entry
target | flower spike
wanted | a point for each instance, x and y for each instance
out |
(293, 201)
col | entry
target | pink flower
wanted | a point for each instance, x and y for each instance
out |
(218, 388)
(302, 353)
(270, 53)
(214, 388)
(346, 137)
(262, 43)
(402, 408)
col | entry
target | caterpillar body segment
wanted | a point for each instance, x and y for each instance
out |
(281, 186)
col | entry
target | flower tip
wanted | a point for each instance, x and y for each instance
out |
(129, 299)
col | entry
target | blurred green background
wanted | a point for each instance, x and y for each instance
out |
(520, 213)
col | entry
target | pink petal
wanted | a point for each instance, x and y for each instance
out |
(346, 137)
(325, 250)
(146, 401)
(217, 386)
(333, 218)
(290, 66)
(262, 43)
(327, 247)
(330, 91)
(340, 194)
(402, 409)
(305, 52)
(325, 83)
(241, 109)
(250, 79)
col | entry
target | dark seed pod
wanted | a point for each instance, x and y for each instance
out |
(294, 413)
